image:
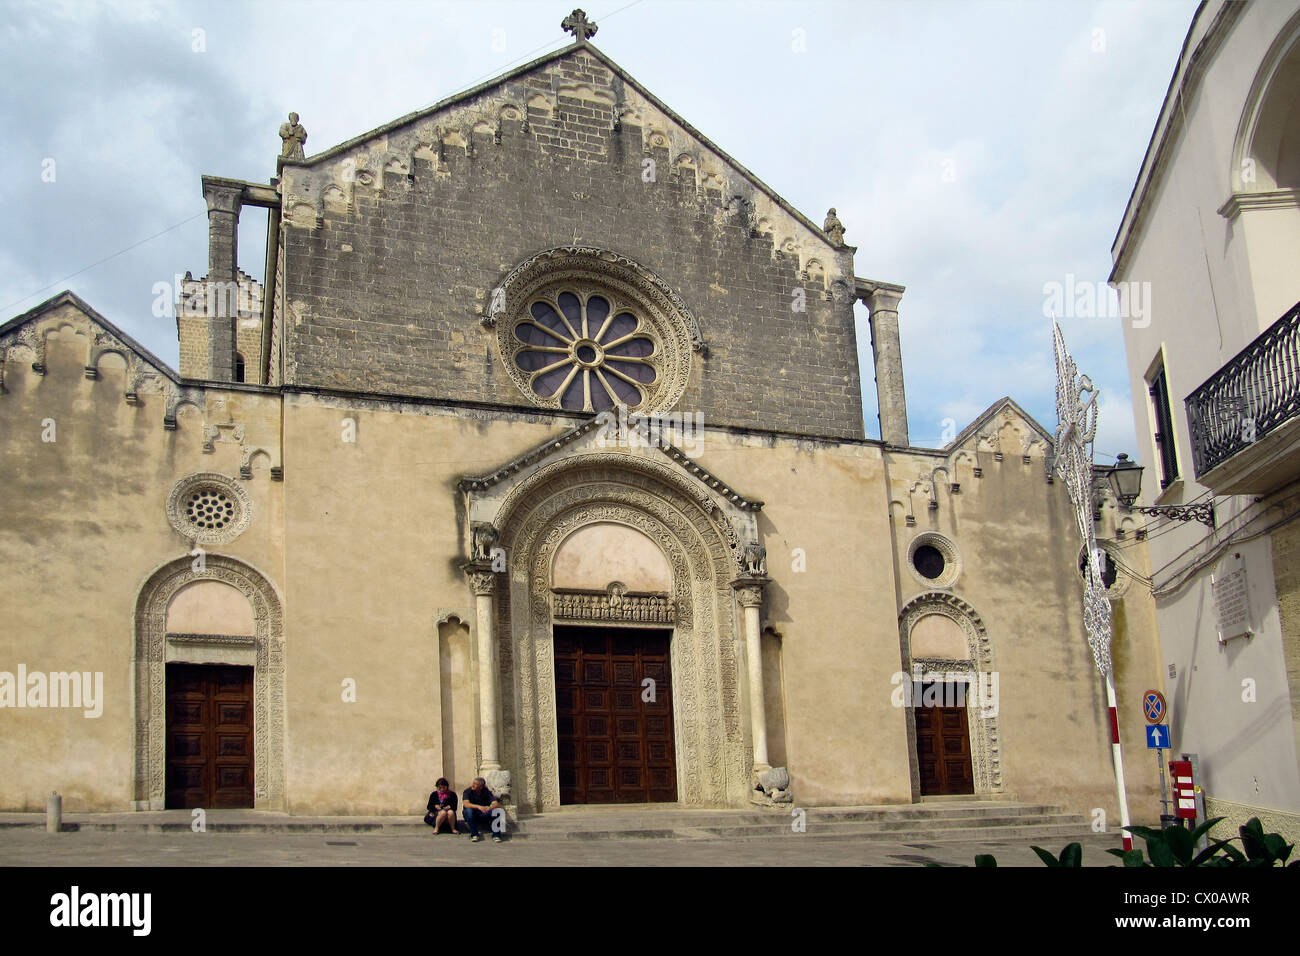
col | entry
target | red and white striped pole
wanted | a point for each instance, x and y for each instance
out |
(1118, 758)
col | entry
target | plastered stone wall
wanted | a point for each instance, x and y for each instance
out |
(1017, 548)
(83, 524)
(1286, 579)
(362, 542)
(379, 537)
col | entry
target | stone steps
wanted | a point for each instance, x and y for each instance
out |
(980, 820)
(926, 822)
(625, 818)
(1052, 836)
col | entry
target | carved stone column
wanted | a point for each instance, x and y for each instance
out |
(223, 278)
(482, 582)
(749, 592)
(882, 300)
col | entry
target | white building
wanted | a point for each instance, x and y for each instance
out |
(1213, 224)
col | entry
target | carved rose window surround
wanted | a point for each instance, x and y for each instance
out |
(581, 329)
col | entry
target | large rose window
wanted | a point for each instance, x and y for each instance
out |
(585, 352)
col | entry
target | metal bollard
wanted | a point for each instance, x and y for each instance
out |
(54, 813)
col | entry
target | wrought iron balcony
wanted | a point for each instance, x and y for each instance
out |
(1253, 396)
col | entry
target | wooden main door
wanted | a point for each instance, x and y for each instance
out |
(209, 736)
(615, 730)
(943, 744)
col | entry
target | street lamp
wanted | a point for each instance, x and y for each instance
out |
(1125, 479)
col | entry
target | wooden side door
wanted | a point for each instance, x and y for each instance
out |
(943, 745)
(209, 736)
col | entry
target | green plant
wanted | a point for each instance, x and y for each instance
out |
(1175, 846)
(1071, 856)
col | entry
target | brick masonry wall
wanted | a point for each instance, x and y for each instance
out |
(387, 290)
(193, 328)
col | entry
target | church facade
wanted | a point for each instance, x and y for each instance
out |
(540, 456)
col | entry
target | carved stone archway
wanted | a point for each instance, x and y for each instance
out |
(986, 750)
(150, 664)
(712, 739)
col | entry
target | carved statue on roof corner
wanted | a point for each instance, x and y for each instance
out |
(293, 136)
(833, 228)
(578, 24)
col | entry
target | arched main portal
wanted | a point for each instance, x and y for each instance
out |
(175, 588)
(711, 740)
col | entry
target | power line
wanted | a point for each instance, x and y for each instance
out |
(59, 282)
(100, 262)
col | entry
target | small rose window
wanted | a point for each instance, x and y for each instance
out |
(209, 509)
(585, 354)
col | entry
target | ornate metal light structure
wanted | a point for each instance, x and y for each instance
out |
(1126, 481)
(1076, 413)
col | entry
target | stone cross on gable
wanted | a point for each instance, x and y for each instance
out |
(578, 24)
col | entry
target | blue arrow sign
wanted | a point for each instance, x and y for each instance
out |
(1158, 737)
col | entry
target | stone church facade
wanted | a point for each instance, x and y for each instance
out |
(423, 535)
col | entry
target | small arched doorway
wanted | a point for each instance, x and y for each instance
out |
(209, 688)
(951, 691)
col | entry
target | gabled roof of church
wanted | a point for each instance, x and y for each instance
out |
(992, 412)
(587, 46)
(68, 297)
(554, 445)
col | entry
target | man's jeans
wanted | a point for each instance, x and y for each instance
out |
(475, 817)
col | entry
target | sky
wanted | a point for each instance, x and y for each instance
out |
(980, 154)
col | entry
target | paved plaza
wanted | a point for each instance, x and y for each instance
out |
(31, 847)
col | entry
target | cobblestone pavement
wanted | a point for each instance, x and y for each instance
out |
(38, 848)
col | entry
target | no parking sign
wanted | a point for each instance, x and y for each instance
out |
(1153, 706)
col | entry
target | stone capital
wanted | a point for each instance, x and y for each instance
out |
(222, 198)
(482, 579)
(883, 300)
(878, 296)
(749, 590)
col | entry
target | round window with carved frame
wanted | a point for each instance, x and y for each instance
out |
(582, 329)
(586, 351)
(209, 508)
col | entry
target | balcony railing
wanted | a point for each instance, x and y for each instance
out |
(1256, 392)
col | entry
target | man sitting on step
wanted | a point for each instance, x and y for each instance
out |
(481, 807)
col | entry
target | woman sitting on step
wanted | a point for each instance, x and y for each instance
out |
(442, 808)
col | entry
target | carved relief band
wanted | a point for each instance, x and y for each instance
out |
(629, 608)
